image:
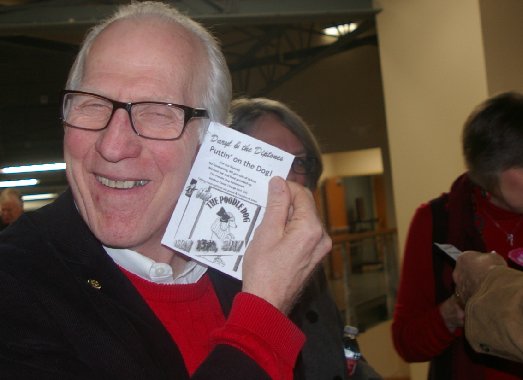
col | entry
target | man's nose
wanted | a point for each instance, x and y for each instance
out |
(119, 141)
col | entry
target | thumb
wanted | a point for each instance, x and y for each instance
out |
(278, 203)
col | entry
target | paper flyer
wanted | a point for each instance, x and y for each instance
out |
(449, 249)
(224, 198)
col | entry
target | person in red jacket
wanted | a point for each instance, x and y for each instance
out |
(483, 211)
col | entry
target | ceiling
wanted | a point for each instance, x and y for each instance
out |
(266, 42)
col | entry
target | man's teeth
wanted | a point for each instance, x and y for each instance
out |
(120, 184)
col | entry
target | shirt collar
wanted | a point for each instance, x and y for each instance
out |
(150, 270)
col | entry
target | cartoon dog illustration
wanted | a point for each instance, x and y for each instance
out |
(221, 227)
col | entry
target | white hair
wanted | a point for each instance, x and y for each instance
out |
(217, 88)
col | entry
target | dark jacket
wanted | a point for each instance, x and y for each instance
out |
(67, 311)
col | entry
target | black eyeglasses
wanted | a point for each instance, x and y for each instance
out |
(149, 119)
(304, 165)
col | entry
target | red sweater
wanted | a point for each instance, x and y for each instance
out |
(194, 318)
(419, 332)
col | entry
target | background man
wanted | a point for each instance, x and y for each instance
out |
(11, 206)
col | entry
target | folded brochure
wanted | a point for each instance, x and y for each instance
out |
(224, 198)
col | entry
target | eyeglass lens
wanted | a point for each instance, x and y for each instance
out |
(303, 165)
(148, 119)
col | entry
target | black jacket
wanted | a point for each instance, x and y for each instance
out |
(68, 312)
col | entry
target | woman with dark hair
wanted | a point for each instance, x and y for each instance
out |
(483, 211)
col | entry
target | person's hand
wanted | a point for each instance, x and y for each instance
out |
(452, 313)
(471, 269)
(287, 246)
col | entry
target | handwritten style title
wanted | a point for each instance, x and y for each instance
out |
(228, 144)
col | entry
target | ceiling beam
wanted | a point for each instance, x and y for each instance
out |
(17, 19)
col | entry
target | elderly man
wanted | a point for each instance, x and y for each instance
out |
(87, 288)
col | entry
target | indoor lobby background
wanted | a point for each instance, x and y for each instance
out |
(395, 109)
(435, 61)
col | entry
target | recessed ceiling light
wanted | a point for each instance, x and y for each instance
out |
(341, 30)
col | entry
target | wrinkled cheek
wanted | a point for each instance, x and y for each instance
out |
(185, 154)
(76, 146)
(70, 151)
(78, 138)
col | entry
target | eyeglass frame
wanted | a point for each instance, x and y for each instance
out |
(305, 159)
(189, 113)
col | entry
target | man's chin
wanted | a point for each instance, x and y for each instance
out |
(118, 239)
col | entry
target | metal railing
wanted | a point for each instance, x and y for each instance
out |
(363, 274)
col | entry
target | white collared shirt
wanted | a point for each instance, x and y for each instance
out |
(150, 270)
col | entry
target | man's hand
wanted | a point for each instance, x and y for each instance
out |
(286, 247)
(471, 269)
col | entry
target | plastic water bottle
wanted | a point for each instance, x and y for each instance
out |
(351, 348)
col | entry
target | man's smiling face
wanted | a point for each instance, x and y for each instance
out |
(125, 186)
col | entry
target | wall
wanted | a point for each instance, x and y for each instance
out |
(434, 74)
(342, 98)
(502, 31)
(355, 162)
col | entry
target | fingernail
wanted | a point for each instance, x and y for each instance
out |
(276, 184)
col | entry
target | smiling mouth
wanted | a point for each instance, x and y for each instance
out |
(121, 184)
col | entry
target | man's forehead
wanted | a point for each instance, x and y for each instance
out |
(147, 34)
(9, 203)
(146, 51)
